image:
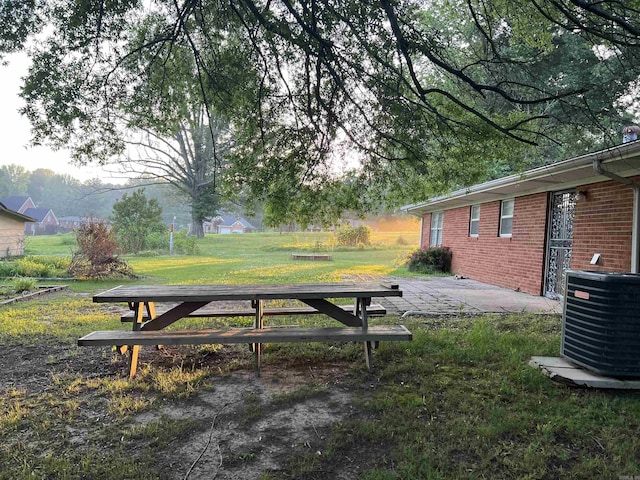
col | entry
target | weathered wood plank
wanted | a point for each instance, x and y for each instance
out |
(210, 311)
(310, 256)
(210, 293)
(248, 335)
(563, 371)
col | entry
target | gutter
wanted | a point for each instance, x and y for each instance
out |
(635, 236)
(613, 154)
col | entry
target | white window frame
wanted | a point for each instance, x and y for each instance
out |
(504, 216)
(435, 238)
(475, 220)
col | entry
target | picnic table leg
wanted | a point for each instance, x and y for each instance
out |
(361, 311)
(258, 323)
(151, 314)
(139, 309)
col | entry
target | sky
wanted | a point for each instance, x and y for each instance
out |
(16, 131)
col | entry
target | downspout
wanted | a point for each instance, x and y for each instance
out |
(635, 237)
(421, 230)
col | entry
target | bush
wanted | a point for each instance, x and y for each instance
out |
(353, 236)
(157, 241)
(430, 260)
(24, 285)
(7, 269)
(29, 268)
(34, 266)
(96, 254)
(185, 244)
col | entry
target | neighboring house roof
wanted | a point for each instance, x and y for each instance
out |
(622, 160)
(39, 213)
(7, 212)
(229, 221)
(15, 202)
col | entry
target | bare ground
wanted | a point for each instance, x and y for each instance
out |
(244, 426)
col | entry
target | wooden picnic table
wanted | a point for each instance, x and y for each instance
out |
(188, 300)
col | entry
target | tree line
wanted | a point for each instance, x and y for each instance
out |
(67, 196)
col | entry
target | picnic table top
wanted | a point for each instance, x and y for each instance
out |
(210, 293)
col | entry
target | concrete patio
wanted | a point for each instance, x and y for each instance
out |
(450, 296)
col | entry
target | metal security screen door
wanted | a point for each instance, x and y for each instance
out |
(560, 241)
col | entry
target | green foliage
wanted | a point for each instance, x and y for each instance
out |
(430, 260)
(435, 96)
(136, 220)
(350, 236)
(22, 284)
(35, 266)
(96, 255)
(185, 244)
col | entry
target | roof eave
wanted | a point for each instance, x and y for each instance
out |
(577, 170)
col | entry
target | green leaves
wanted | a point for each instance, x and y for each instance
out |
(444, 93)
(135, 219)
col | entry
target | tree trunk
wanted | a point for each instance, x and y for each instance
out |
(196, 223)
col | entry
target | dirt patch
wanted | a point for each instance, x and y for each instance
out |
(246, 430)
(33, 367)
(243, 426)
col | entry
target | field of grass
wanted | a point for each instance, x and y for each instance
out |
(459, 402)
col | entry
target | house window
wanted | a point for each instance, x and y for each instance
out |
(474, 222)
(436, 229)
(506, 217)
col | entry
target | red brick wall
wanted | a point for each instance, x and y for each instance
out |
(426, 230)
(516, 262)
(603, 224)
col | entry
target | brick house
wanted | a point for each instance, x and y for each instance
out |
(524, 231)
(45, 220)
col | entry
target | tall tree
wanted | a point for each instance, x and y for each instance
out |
(188, 158)
(433, 88)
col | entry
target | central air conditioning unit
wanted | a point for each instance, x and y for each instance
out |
(601, 322)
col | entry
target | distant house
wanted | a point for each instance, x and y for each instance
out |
(71, 223)
(12, 231)
(225, 224)
(45, 221)
(17, 203)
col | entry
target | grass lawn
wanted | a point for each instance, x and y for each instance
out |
(459, 401)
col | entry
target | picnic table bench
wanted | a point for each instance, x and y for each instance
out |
(194, 301)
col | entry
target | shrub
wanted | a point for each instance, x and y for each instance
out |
(35, 266)
(96, 255)
(28, 267)
(183, 243)
(7, 268)
(430, 260)
(158, 240)
(353, 236)
(24, 284)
